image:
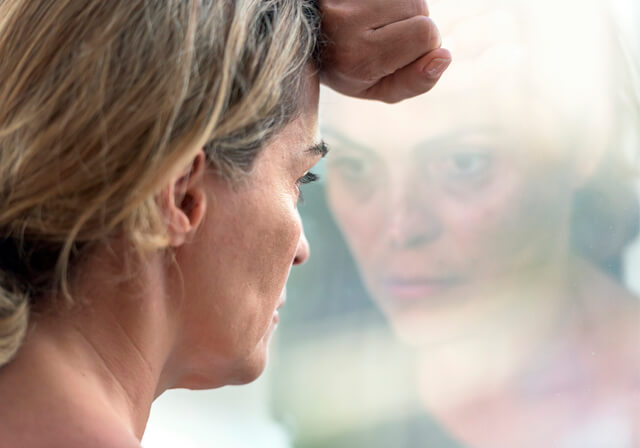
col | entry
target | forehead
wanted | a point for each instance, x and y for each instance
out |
(305, 124)
(290, 146)
(436, 118)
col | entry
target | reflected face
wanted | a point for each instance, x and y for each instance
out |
(454, 202)
(235, 270)
(445, 201)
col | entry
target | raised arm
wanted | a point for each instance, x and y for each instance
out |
(387, 50)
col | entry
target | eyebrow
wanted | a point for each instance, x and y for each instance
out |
(320, 149)
(348, 143)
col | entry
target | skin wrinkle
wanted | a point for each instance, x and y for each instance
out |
(132, 395)
(166, 292)
(113, 378)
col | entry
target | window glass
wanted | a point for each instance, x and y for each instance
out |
(474, 272)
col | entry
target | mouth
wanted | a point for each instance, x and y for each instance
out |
(276, 314)
(281, 302)
(419, 287)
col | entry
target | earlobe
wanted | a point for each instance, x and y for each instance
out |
(183, 202)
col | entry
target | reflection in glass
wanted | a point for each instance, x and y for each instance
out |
(487, 221)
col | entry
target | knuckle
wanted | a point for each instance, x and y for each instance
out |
(427, 32)
(423, 27)
(419, 8)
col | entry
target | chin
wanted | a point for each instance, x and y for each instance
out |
(238, 373)
(230, 372)
(250, 369)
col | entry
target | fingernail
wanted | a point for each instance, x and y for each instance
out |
(436, 67)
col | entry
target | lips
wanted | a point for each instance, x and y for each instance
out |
(276, 314)
(283, 299)
(419, 287)
(281, 302)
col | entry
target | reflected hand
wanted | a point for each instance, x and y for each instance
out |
(387, 50)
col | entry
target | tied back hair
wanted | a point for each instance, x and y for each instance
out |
(101, 103)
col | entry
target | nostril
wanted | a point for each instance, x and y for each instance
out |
(413, 232)
(302, 252)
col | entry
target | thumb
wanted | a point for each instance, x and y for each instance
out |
(416, 78)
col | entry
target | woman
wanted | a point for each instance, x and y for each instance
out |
(460, 212)
(152, 155)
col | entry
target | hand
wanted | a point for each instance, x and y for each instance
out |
(387, 50)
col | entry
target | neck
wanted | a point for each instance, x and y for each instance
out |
(113, 344)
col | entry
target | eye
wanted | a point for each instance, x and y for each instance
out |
(351, 169)
(304, 180)
(467, 165)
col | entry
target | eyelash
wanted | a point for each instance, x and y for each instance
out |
(304, 180)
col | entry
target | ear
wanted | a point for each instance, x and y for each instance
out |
(183, 202)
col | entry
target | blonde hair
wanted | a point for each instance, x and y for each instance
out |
(101, 102)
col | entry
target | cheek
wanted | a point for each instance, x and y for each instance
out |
(361, 220)
(238, 267)
(268, 246)
(479, 227)
(280, 242)
(515, 220)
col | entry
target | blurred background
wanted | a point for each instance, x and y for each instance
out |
(475, 267)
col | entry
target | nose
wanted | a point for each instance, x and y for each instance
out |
(412, 221)
(302, 251)
(406, 232)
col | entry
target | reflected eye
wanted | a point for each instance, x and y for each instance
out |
(357, 176)
(306, 179)
(351, 169)
(467, 165)
(463, 169)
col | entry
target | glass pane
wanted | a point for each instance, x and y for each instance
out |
(474, 270)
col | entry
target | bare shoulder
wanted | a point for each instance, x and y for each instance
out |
(100, 437)
(37, 414)
(70, 433)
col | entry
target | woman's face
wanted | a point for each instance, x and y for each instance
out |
(446, 202)
(236, 268)
(455, 202)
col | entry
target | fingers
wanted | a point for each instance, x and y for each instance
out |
(401, 43)
(372, 14)
(412, 80)
(376, 45)
(393, 11)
